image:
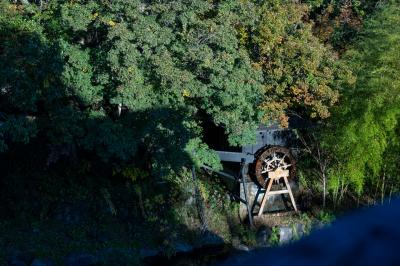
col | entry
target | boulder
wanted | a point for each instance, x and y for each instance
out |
(81, 259)
(263, 235)
(298, 230)
(285, 234)
(183, 247)
(40, 262)
(148, 252)
(209, 239)
(243, 247)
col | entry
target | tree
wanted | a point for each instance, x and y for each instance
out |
(363, 134)
(338, 21)
(133, 81)
(300, 73)
(26, 66)
(320, 157)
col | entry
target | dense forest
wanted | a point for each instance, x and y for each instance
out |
(104, 107)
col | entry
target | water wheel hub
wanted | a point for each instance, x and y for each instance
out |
(273, 159)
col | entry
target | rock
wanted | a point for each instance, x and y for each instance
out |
(263, 235)
(81, 259)
(39, 262)
(275, 203)
(190, 201)
(318, 225)
(148, 252)
(209, 239)
(183, 247)
(242, 247)
(298, 230)
(285, 234)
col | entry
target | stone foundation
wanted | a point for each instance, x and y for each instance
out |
(275, 203)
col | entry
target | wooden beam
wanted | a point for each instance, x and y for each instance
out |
(265, 197)
(278, 173)
(277, 192)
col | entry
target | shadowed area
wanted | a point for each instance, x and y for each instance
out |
(366, 237)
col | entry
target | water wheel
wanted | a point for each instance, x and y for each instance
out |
(270, 160)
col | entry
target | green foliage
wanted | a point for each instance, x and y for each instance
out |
(314, 3)
(113, 79)
(133, 80)
(326, 217)
(25, 67)
(300, 73)
(274, 237)
(201, 154)
(364, 132)
(338, 21)
(214, 194)
(307, 222)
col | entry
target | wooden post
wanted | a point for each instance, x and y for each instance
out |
(243, 173)
(265, 197)
(290, 193)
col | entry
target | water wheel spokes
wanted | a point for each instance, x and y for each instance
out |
(272, 159)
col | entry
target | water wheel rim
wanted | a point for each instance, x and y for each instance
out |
(266, 162)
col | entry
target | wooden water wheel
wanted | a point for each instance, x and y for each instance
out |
(271, 159)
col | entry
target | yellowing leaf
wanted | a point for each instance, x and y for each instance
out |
(111, 23)
(13, 7)
(95, 15)
(186, 93)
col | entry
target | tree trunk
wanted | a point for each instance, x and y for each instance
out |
(390, 193)
(324, 185)
(383, 188)
(141, 204)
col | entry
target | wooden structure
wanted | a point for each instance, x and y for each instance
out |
(266, 162)
(275, 177)
(279, 175)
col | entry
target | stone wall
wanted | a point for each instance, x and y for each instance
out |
(275, 203)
